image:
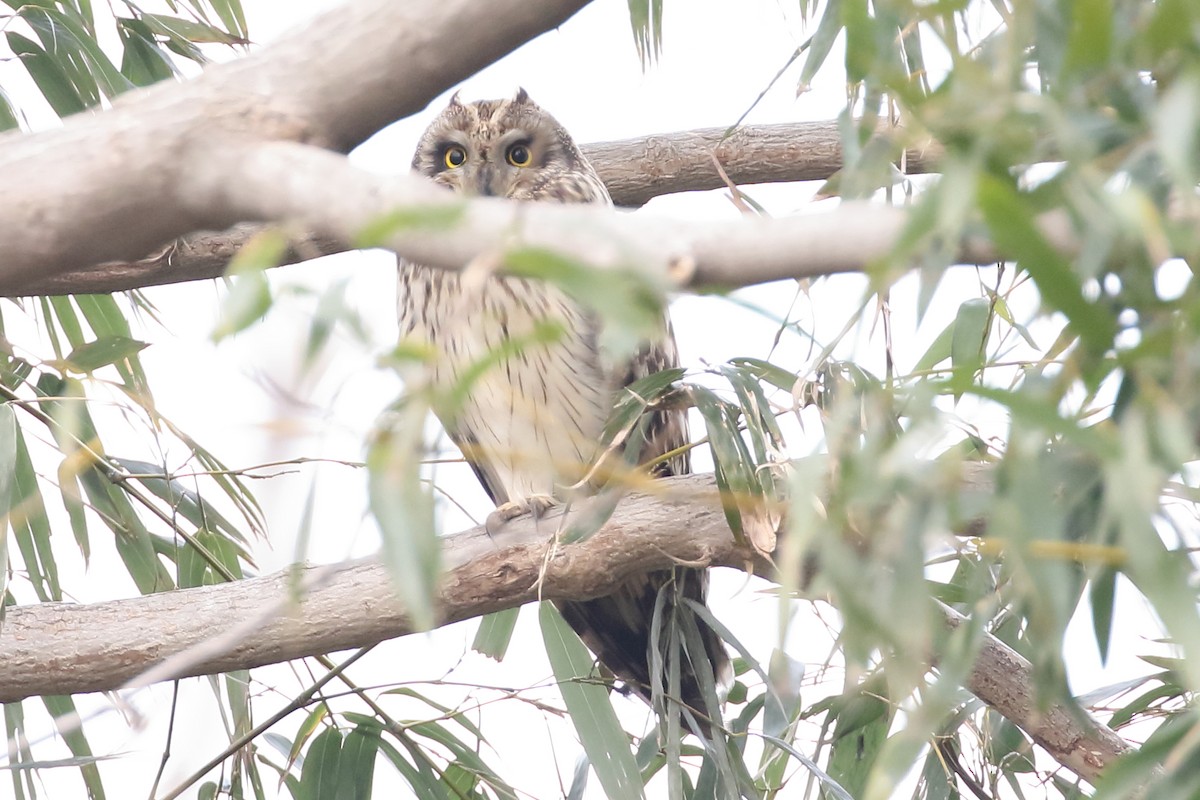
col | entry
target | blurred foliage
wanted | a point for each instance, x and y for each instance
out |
(1071, 136)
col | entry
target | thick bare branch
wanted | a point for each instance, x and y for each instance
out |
(1003, 679)
(635, 170)
(64, 648)
(321, 191)
(60, 648)
(109, 186)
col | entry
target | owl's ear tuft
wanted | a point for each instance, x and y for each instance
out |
(522, 96)
(454, 101)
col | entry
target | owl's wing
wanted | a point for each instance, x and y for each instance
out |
(466, 442)
(617, 627)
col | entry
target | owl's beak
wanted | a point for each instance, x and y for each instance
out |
(483, 182)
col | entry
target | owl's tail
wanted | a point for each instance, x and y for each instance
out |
(617, 628)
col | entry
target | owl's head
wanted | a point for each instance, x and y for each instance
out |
(506, 148)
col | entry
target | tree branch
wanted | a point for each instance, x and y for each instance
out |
(256, 141)
(634, 170)
(637, 170)
(107, 645)
(232, 181)
(108, 186)
(60, 648)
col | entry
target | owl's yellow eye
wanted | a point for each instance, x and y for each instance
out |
(519, 156)
(454, 157)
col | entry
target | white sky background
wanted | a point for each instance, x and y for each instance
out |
(247, 401)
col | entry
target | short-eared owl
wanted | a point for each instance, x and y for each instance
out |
(531, 423)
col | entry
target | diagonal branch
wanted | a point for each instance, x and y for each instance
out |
(107, 186)
(62, 648)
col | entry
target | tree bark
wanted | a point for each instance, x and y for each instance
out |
(62, 648)
(115, 185)
(634, 170)
(235, 181)
(257, 140)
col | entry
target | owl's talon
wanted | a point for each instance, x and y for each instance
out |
(536, 505)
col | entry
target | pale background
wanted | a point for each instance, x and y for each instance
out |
(255, 404)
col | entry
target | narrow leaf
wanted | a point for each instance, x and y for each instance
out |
(595, 722)
(495, 632)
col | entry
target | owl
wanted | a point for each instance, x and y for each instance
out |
(530, 422)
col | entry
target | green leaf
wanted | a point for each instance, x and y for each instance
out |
(379, 232)
(777, 376)
(19, 750)
(495, 632)
(356, 771)
(734, 468)
(466, 754)
(250, 295)
(230, 12)
(1143, 703)
(72, 498)
(460, 780)
(62, 310)
(1008, 746)
(106, 319)
(106, 350)
(404, 509)
(48, 74)
(1089, 42)
(1177, 128)
(861, 53)
(937, 779)
(1140, 772)
(969, 341)
(938, 351)
(1000, 306)
(821, 43)
(423, 781)
(130, 535)
(143, 62)
(9, 434)
(31, 526)
(592, 714)
(85, 62)
(188, 30)
(630, 302)
(1015, 233)
(183, 501)
(322, 765)
(1102, 595)
(9, 116)
(311, 724)
(62, 709)
(76, 435)
(645, 16)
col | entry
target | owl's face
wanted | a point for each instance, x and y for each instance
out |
(506, 148)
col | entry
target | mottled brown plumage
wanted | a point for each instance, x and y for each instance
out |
(531, 424)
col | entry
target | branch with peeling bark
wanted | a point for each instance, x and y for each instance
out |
(129, 643)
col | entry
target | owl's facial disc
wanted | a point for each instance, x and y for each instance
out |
(490, 166)
(505, 148)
